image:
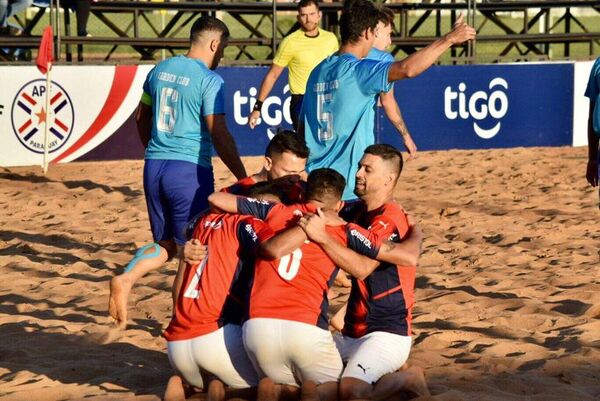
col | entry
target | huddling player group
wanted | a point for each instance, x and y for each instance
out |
(257, 259)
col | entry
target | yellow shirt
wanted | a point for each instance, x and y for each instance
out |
(301, 53)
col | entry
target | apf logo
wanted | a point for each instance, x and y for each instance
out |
(478, 106)
(273, 109)
(29, 116)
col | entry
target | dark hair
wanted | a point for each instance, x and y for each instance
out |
(389, 154)
(386, 16)
(208, 23)
(287, 141)
(357, 17)
(286, 189)
(264, 188)
(325, 184)
(306, 3)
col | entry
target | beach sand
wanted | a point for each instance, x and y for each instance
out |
(507, 298)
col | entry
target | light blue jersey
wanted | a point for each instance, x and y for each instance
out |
(182, 91)
(380, 55)
(338, 112)
(593, 93)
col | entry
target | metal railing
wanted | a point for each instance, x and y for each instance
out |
(518, 29)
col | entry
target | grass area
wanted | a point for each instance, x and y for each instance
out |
(485, 52)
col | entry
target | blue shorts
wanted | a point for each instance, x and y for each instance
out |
(175, 192)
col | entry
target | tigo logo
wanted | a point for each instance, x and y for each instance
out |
(478, 106)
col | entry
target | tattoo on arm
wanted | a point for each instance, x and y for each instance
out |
(388, 245)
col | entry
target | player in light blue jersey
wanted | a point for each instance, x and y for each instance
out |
(593, 93)
(338, 110)
(383, 39)
(180, 118)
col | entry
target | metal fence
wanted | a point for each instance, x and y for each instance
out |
(133, 31)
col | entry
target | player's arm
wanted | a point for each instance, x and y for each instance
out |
(178, 282)
(265, 88)
(230, 203)
(143, 120)
(283, 243)
(224, 144)
(405, 253)
(421, 60)
(354, 263)
(223, 201)
(392, 111)
(593, 141)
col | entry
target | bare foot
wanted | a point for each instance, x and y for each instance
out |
(175, 390)
(309, 391)
(342, 280)
(267, 391)
(117, 302)
(415, 381)
(216, 391)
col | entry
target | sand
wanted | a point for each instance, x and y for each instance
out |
(508, 288)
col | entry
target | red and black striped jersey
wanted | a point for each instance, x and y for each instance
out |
(211, 291)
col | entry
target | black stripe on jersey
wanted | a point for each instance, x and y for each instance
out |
(191, 225)
(254, 207)
(323, 321)
(361, 244)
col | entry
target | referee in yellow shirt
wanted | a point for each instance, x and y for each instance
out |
(300, 51)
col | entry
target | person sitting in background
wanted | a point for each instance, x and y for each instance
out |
(82, 14)
(8, 8)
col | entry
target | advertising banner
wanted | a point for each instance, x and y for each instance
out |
(447, 107)
(485, 106)
(87, 106)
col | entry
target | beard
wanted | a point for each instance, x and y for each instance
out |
(360, 189)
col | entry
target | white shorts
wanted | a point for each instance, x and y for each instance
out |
(289, 352)
(220, 353)
(370, 357)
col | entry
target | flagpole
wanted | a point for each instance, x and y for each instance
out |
(46, 125)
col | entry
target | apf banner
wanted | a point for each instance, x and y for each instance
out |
(87, 106)
(486, 106)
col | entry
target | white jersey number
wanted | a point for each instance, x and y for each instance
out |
(192, 290)
(325, 117)
(167, 114)
(289, 265)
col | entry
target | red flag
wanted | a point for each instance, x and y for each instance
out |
(46, 51)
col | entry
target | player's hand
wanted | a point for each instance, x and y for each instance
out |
(253, 119)
(332, 218)
(415, 230)
(194, 252)
(461, 32)
(592, 173)
(410, 146)
(314, 226)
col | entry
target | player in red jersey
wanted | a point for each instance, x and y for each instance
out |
(285, 156)
(376, 337)
(289, 296)
(205, 332)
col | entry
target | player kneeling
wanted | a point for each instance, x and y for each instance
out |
(205, 335)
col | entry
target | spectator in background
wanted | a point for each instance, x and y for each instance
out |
(8, 8)
(593, 93)
(300, 51)
(82, 13)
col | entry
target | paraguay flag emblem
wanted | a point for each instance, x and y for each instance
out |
(29, 114)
